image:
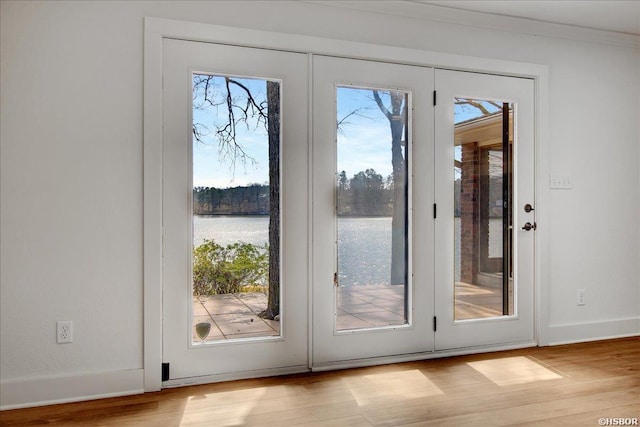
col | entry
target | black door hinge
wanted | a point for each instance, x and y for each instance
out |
(165, 372)
(435, 323)
(435, 210)
(434, 97)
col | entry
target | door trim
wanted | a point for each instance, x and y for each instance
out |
(155, 29)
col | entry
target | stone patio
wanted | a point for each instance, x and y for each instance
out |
(234, 316)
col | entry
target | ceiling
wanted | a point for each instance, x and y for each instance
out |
(612, 15)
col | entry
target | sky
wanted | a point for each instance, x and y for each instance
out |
(363, 138)
(210, 169)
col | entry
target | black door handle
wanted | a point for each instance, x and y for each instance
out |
(528, 226)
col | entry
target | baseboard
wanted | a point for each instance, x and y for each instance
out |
(24, 393)
(593, 331)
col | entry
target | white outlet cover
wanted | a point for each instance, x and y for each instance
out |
(64, 329)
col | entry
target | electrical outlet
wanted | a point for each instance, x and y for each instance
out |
(581, 297)
(65, 331)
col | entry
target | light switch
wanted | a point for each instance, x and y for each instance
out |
(559, 181)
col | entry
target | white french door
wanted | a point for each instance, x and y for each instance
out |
(420, 235)
(372, 229)
(484, 230)
(235, 131)
(419, 190)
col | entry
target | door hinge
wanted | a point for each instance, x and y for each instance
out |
(435, 210)
(165, 372)
(434, 97)
(435, 323)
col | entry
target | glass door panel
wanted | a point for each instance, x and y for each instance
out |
(371, 207)
(371, 122)
(236, 222)
(484, 258)
(483, 173)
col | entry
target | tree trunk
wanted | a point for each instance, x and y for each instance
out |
(273, 108)
(398, 221)
(397, 117)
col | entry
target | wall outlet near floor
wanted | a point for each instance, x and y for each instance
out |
(65, 331)
(581, 297)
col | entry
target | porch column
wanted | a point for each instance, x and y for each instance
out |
(469, 215)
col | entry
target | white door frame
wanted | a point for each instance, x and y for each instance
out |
(155, 29)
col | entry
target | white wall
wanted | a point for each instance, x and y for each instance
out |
(71, 170)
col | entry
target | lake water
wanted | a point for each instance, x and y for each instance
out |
(364, 247)
(226, 229)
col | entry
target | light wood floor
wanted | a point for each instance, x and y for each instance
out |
(551, 386)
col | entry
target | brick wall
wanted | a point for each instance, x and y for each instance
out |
(469, 220)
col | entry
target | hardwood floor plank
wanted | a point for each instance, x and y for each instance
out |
(353, 421)
(470, 405)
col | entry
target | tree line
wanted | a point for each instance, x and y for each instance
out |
(249, 200)
(367, 193)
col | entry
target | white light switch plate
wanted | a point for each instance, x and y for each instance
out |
(559, 181)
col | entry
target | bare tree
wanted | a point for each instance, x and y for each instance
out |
(396, 113)
(273, 130)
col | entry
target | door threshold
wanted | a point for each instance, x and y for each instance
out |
(233, 376)
(412, 357)
(342, 364)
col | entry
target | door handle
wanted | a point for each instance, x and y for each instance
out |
(528, 226)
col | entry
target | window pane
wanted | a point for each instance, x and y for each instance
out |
(371, 208)
(236, 208)
(483, 194)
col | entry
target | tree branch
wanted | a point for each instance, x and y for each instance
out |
(381, 105)
(357, 113)
(478, 104)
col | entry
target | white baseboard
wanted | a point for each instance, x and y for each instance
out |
(23, 393)
(593, 331)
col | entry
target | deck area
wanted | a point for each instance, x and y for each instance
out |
(234, 316)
